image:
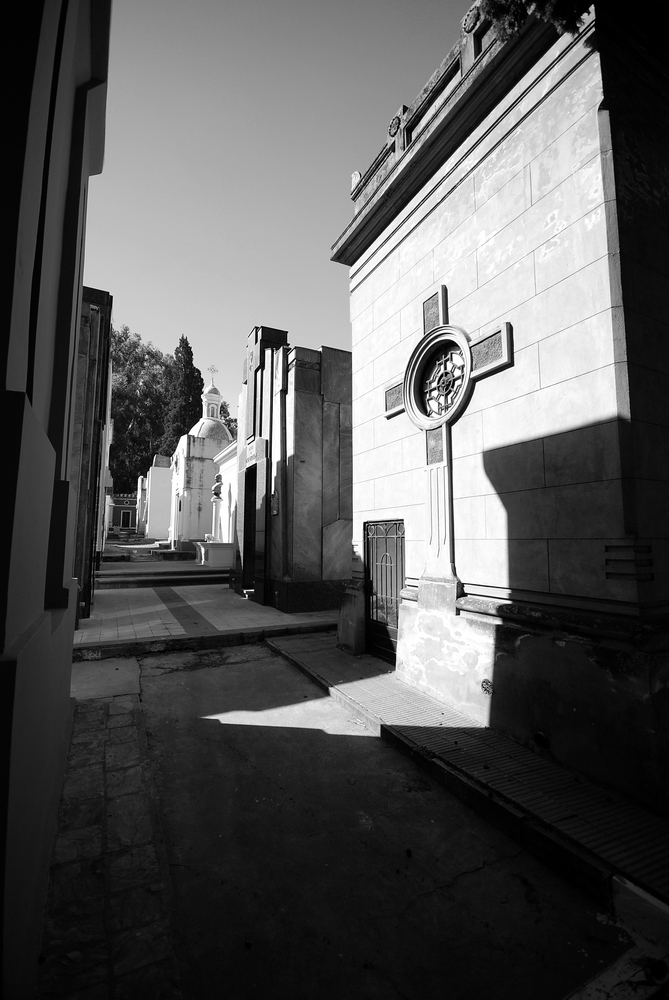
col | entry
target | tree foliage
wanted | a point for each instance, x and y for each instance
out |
(230, 422)
(155, 399)
(140, 374)
(184, 397)
(510, 15)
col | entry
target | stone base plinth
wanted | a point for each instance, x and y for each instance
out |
(588, 689)
(221, 554)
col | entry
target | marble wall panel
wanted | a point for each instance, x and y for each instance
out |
(380, 340)
(526, 104)
(366, 407)
(414, 558)
(381, 461)
(522, 564)
(529, 139)
(413, 452)
(577, 568)
(442, 219)
(394, 429)
(517, 467)
(522, 377)
(581, 348)
(587, 454)
(362, 380)
(363, 494)
(411, 318)
(586, 293)
(365, 291)
(461, 281)
(362, 325)
(567, 153)
(467, 435)
(337, 550)
(469, 516)
(470, 478)
(496, 298)
(331, 456)
(307, 474)
(508, 204)
(393, 491)
(582, 510)
(411, 284)
(571, 249)
(579, 194)
(363, 437)
(392, 363)
(591, 398)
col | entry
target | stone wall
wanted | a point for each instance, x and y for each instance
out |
(525, 190)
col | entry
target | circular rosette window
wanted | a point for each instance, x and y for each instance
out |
(437, 379)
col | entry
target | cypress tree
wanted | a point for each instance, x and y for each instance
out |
(184, 397)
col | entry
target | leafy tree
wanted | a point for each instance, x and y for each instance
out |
(184, 397)
(140, 374)
(510, 15)
(230, 422)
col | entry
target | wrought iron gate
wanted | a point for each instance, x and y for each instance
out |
(384, 566)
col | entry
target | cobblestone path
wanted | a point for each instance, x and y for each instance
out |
(107, 931)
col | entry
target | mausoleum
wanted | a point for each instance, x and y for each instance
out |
(508, 259)
(294, 474)
(193, 473)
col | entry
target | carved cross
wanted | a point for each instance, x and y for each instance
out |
(438, 385)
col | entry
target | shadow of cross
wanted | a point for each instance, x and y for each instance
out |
(438, 385)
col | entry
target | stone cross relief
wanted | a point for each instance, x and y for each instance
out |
(438, 385)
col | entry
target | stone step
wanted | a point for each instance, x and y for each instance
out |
(178, 577)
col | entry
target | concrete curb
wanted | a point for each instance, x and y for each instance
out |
(173, 644)
(592, 874)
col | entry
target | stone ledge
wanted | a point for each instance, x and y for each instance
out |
(641, 635)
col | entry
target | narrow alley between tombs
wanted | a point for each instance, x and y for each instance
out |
(228, 830)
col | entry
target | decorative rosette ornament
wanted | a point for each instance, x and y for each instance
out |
(394, 126)
(437, 381)
(444, 382)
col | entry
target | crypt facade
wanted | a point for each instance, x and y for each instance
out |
(294, 474)
(510, 376)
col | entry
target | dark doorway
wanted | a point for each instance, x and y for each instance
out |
(384, 567)
(249, 547)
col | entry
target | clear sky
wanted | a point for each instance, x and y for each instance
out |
(233, 128)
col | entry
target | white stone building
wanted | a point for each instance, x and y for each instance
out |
(193, 473)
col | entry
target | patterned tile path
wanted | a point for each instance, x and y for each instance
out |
(107, 930)
(175, 616)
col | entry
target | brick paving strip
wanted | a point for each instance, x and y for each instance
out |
(192, 622)
(586, 831)
(108, 922)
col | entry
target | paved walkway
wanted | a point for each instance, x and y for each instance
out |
(231, 832)
(177, 615)
(609, 845)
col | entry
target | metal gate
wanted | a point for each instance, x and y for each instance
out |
(384, 566)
